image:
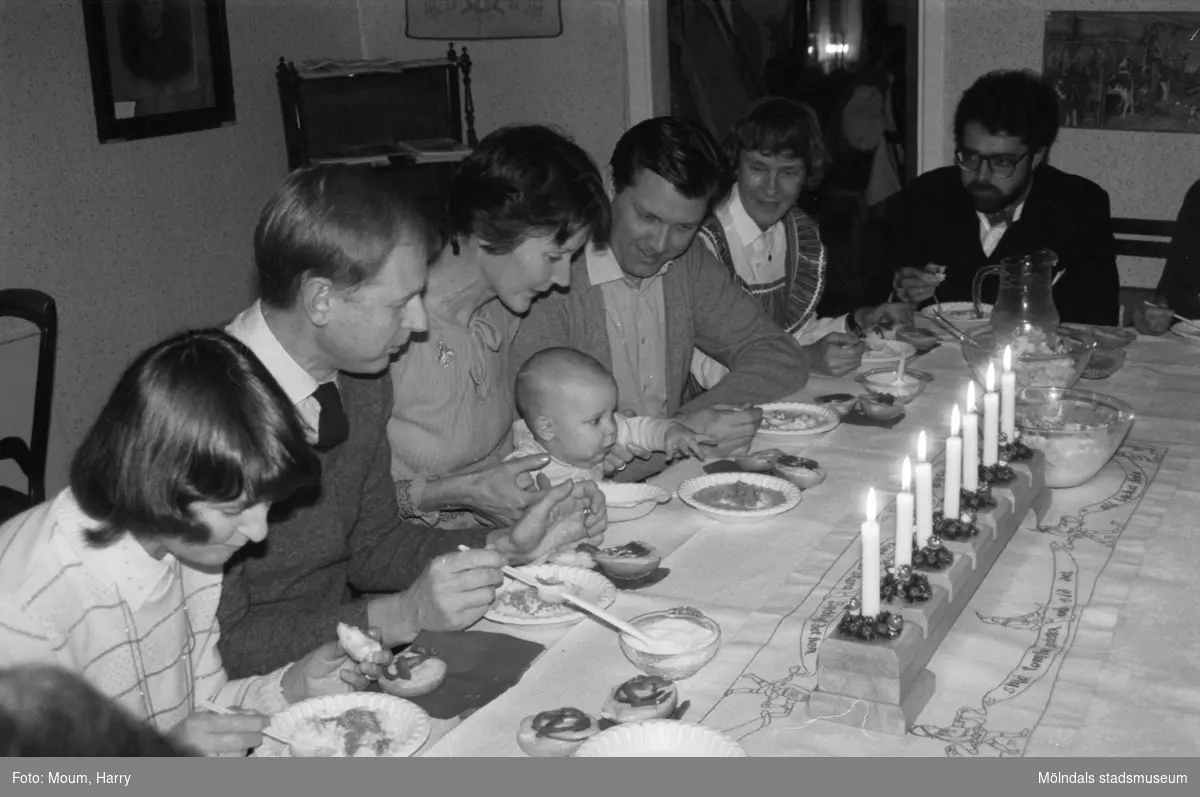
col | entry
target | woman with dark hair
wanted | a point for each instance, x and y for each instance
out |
(520, 207)
(49, 711)
(773, 248)
(119, 576)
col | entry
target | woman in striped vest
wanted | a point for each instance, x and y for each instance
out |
(773, 247)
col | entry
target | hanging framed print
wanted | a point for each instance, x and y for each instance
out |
(483, 19)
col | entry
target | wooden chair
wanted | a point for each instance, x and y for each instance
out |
(1140, 238)
(40, 309)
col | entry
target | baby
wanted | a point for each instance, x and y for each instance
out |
(567, 403)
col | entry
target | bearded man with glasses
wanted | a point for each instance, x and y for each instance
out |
(1002, 198)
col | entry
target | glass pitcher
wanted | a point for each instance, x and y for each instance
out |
(1025, 301)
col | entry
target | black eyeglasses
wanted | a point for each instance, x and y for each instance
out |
(1000, 165)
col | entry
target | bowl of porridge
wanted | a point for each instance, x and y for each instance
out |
(1055, 359)
(1078, 431)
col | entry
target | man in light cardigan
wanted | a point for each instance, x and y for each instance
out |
(645, 304)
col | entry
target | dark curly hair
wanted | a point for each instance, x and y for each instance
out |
(682, 153)
(523, 181)
(779, 126)
(1017, 102)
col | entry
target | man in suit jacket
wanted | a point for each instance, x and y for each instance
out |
(1000, 199)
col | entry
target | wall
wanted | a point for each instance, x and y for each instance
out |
(1145, 174)
(137, 240)
(576, 80)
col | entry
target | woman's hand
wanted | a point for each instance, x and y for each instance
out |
(555, 521)
(733, 426)
(502, 492)
(221, 734)
(329, 671)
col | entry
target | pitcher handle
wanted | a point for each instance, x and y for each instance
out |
(977, 286)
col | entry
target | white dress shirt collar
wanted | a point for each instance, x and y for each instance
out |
(733, 213)
(250, 327)
(603, 266)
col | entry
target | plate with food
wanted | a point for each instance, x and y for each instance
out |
(1186, 331)
(739, 496)
(961, 314)
(519, 604)
(356, 725)
(659, 738)
(796, 419)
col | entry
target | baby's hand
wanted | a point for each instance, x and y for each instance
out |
(682, 440)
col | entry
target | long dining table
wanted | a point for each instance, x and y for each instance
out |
(1118, 673)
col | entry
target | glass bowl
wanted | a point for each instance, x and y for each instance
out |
(882, 382)
(1043, 370)
(1104, 363)
(1078, 431)
(672, 666)
(1113, 337)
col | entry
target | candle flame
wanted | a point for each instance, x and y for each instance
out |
(955, 422)
(991, 378)
(921, 446)
(871, 512)
(970, 397)
(906, 475)
(1007, 359)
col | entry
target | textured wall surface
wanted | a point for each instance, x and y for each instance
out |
(137, 240)
(576, 80)
(1145, 174)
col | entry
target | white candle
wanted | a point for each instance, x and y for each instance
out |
(870, 559)
(991, 419)
(900, 372)
(971, 443)
(904, 516)
(954, 461)
(924, 494)
(1008, 398)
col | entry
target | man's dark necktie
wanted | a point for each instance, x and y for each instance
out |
(334, 426)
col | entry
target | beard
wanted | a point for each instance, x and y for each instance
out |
(989, 199)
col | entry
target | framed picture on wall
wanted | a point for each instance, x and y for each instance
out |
(159, 67)
(483, 19)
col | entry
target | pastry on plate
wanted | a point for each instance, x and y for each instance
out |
(557, 733)
(413, 672)
(646, 697)
(630, 560)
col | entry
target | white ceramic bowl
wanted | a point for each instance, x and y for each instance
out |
(631, 501)
(660, 739)
(406, 722)
(592, 587)
(886, 351)
(827, 419)
(688, 490)
(961, 314)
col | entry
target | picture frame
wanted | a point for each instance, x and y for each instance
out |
(1125, 70)
(158, 67)
(482, 19)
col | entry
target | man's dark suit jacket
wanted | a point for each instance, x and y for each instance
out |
(935, 222)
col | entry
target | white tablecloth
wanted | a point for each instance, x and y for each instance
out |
(1082, 640)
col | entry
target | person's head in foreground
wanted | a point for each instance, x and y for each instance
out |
(47, 711)
(521, 205)
(1003, 129)
(777, 151)
(667, 174)
(342, 260)
(567, 399)
(194, 444)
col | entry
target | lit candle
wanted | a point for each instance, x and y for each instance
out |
(870, 559)
(1008, 398)
(900, 372)
(954, 462)
(904, 516)
(924, 494)
(970, 473)
(991, 419)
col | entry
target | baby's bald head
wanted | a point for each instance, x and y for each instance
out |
(551, 376)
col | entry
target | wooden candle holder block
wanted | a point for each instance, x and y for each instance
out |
(883, 685)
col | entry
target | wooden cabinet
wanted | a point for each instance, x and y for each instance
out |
(359, 112)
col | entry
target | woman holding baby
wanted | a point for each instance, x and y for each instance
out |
(520, 207)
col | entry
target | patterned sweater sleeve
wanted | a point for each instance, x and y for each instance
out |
(644, 432)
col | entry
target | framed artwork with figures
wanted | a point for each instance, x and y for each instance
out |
(483, 19)
(158, 67)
